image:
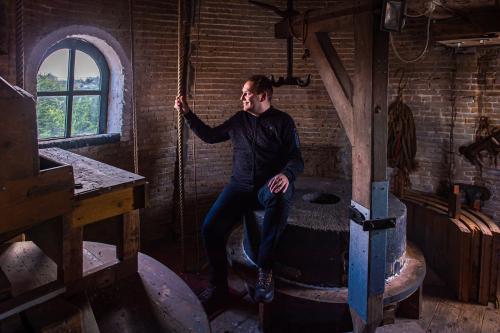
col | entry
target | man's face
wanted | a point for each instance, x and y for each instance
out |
(251, 101)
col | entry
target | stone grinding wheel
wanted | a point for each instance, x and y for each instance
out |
(313, 249)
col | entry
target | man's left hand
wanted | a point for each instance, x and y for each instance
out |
(278, 183)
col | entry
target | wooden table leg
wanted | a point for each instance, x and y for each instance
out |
(72, 249)
(128, 246)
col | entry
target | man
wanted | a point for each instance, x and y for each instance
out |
(266, 162)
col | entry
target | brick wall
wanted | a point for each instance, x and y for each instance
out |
(8, 61)
(430, 95)
(231, 41)
(234, 40)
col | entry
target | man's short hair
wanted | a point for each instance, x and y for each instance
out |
(262, 84)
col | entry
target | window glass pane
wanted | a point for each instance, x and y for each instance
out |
(87, 75)
(53, 73)
(85, 116)
(51, 114)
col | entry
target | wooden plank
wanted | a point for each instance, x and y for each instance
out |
(452, 247)
(445, 320)
(475, 244)
(106, 205)
(335, 64)
(484, 258)
(29, 201)
(495, 257)
(72, 267)
(379, 110)
(19, 140)
(429, 309)
(130, 242)
(485, 262)
(491, 321)
(362, 110)
(412, 306)
(331, 81)
(480, 23)
(93, 176)
(455, 203)
(471, 318)
(332, 13)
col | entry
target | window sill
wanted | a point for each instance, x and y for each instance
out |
(82, 141)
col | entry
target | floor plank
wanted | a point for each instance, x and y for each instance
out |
(445, 319)
(470, 318)
(491, 321)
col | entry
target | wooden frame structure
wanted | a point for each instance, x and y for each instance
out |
(361, 104)
(51, 196)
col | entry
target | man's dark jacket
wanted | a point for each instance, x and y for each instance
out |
(263, 146)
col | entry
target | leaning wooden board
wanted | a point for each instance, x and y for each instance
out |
(476, 241)
(495, 258)
(486, 269)
(453, 262)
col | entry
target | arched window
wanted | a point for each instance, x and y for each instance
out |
(72, 90)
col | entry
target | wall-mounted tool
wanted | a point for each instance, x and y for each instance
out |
(287, 16)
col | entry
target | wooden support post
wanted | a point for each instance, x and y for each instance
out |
(72, 258)
(128, 245)
(412, 306)
(454, 204)
(367, 249)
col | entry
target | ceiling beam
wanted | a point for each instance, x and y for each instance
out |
(470, 25)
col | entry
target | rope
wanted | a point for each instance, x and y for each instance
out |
(180, 125)
(430, 10)
(134, 105)
(20, 43)
(424, 51)
(402, 141)
(195, 167)
(453, 100)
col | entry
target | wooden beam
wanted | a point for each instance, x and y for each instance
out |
(362, 106)
(129, 244)
(326, 19)
(321, 51)
(26, 202)
(367, 249)
(72, 258)
(473, 25)
(104, 206)
(335, 63)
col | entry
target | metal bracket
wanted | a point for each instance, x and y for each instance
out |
(373, 224)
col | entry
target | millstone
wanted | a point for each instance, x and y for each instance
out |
(313, 249)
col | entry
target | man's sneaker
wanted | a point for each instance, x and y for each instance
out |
(264, 288)
(214, 298)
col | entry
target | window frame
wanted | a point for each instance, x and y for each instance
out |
(74, 44)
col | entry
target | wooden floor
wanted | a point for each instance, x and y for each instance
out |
(441, 313)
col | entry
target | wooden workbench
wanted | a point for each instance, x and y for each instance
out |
(102, 195)
(101, 192)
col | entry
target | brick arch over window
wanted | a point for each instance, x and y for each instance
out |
(119, 98)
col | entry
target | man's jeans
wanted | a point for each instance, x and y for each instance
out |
(231, 205)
